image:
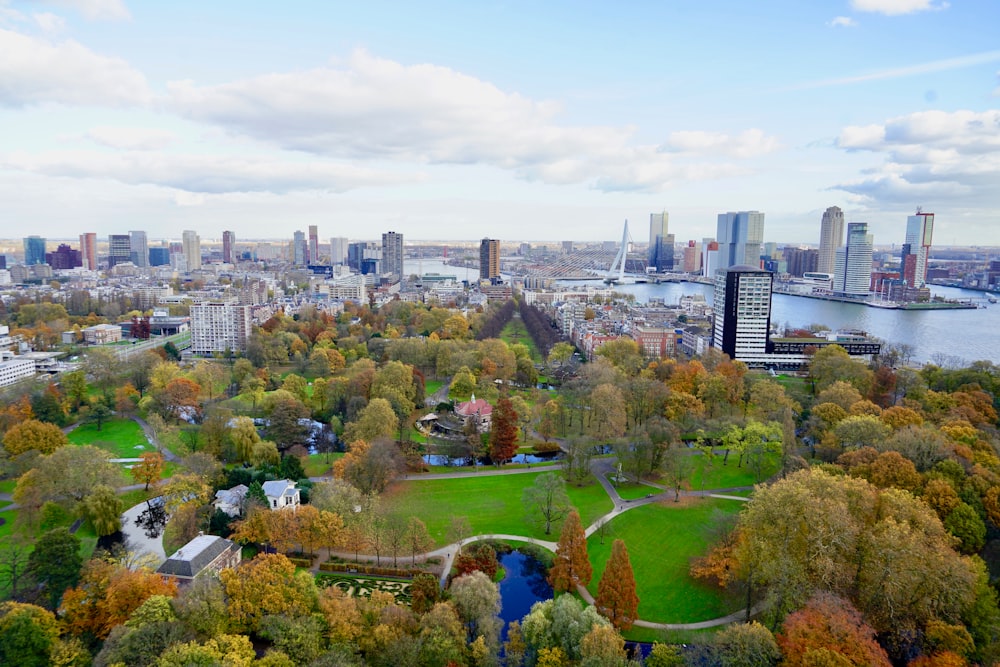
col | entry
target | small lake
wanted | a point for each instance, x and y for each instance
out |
(523, 586)
(445, 460)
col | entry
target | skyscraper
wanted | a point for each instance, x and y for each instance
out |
(661, 243)
(300, 251)
(34, 250)
(710, 257)
(192, 249)
(229, 247)
(119, 249)
(831, 237)
(692, 257)
(392, 254)
(313, 245)
(852, 273)
(742, 311)
(740, 236)
(919, 234)
(338, 250)
(489, 259)
(88, 250)
(139, 248)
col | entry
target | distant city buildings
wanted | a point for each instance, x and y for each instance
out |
(489, 259)
(338, 250)
(34, 250)
(313, 245)
(139, 248)
(119, 249)
(800, 261)
(392, 255)
(63, 257)
(300, 251)
(831, 237)
(853, 268)
(710, 257)
(229, 247)
(192, 249)
(692, 257)
(219, 326)
(742, 311)
(661, 243)
(740, 235)
(916, 248)
(88, 250)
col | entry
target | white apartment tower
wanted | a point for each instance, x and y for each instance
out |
(338, 250)
(219, 326)
(919, 234)
(740, 235)
(852, 274)
(192, 249)
(742, 311)
(831, 237)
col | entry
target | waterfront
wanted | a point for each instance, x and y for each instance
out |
(961, 336)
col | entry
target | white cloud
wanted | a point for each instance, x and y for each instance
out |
(204, 173)
(36, 71)
(49, 23)
(374, 108)
(751, 143)
(843, 22)
(930, 155)
(97, 10)
(131, 138)
(897, 7)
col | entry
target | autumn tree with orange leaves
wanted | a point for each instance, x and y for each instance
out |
(571, 565)
(616, 597)
(829, 626)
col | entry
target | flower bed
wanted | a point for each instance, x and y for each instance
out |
(364, 586)
(361, 568)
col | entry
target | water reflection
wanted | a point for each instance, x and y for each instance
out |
(523, 586)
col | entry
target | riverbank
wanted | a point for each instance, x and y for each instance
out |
(887, 305)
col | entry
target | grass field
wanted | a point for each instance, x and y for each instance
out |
(7, 485)
(316, 464)
(718, 476)
(662, 539)
(431, 386)
(491, 504)
(516, 332)
(633, 491)
(123, 438)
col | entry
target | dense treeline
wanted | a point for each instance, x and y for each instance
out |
(540, 328)
(497, 321)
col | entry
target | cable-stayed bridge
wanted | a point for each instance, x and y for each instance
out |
(612, 265)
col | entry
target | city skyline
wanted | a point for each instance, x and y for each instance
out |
(425, 120)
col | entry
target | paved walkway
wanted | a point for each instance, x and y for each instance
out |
(135, 537)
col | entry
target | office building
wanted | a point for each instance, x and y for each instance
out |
(313, 245)
(229, 247)
(919, 234)
(300, 250)
(661, 243)
(853, 269)
(365, 257)
(219, 326)
(159, 256)
(88, 250)
(489, 259)
(831, 237)
(801, 261)
(34, 250)
(740, 235)
(742, 311)
(338, 250)
(140, 248)
(119, 249)
(191, 244)
(710, 257)
(692, 257)
(63, 257)
(392, 255)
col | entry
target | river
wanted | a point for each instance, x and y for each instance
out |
(961, 336)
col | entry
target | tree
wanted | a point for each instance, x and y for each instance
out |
(71, 473)
(601, 647)
(103, 508)
(15, 550)
(477, 601)
(616, 597)
(244, 436)
(832, 363)
(98, 414)
(28, 635)
(546, 501)
(376, 420)
(965, 523)
(830, 625)
(75, 385)
(179, 398)
(55, 563)
(266, 585)
(677, 468)
(664, 655)
(746, 645)
(32, 434)
(860, 431)
(571, 566)
(417, 537)
(607, 412)
(559, 624)
(503, 432)
(369, 467)
(285, 424)
(149, 468)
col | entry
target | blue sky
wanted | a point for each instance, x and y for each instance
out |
(514, 120)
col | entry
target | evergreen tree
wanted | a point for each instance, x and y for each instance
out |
(503, 432)
(616, 597)
(571, 565)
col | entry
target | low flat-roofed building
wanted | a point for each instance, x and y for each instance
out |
(205, 553)
(13, 369)
(100, 334)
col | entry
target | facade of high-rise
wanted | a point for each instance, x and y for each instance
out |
(392, 254)
(800, 261)
(300, 249)
(192, 249)
(365, 257)
(740, 235)
(338, 250)
(852, 272)
(119, 249)
(159, 256)
(919, 234)
(34, 250)
(229, 247)
(831, 237)
(219, 326)
(692, 257)
(313, 245)
(64, 257)
(742, 311)
(88, 250)
(661, 243)
(489, 259)
(139, 245)
(710, 257)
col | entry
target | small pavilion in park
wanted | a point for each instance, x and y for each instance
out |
(478, 410)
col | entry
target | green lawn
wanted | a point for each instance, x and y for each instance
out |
(662, 539)
(516, 332)
(492, 504)
(719, 476)
(122, 437)
(316, 464)
(7, 485)
(431, 386)
(633, 491)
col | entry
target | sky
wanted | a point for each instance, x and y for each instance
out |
(537, 121)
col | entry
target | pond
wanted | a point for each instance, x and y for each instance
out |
(445, 460)
(523, 586)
